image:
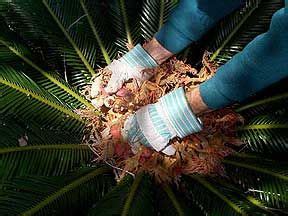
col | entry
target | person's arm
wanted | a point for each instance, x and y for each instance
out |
(263, 62)
(191, 19)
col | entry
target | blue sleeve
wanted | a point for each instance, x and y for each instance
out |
(263, 62)
(191, 19)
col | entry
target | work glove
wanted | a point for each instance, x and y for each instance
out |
(156, 124)
(130, 66)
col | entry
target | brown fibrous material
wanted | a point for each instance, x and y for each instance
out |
(199, 153)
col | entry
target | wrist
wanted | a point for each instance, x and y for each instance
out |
(139, 57)
(179, 113)
(196, 102)
(157, 51)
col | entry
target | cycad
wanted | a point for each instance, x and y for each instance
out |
(50, 49)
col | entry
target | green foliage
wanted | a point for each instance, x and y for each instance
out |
(170, 201)
(12, 129)
(242, 27)
(129, 197)
(49, 49)
(12, 50)
(276, 105)
(267, 133)
(217, 196)
(43, 160)
(155, 13)
(24, 98)
(37, 195)
(260, 178)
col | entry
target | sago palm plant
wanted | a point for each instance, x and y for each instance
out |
(49, 50)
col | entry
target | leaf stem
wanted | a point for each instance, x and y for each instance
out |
(255, 168)
(261, 102)
(126, 22)
(235, 30)
(131, 194)
(42, 147)
(161, 18)
(173, 199)
(91, 23)
(264, 126)
(218, 193)
(42, 99)
(72, 42)
(76, 183)
(48, 76)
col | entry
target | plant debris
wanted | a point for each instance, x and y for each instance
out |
(199, 153)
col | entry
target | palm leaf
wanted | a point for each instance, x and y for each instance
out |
(22, 97)
(15, 132)
(100, 28)
(171, 202)
(260, 178)
(70, 194)
(60, 23)
(243, 27)
(266, 134)
(44, 160)
(154, 15)
(126, 17)
(53, 23)
(211, 199)
(127, 198)
(276, 104)
(217, 196)
(50, 81)
(230, 25)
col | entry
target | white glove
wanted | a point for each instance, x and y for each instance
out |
(156, 124)
(130, 66)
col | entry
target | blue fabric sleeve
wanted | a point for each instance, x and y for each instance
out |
(191, 19)
(263, 62)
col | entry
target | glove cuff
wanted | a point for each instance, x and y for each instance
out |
(179, 113)
(138, 56)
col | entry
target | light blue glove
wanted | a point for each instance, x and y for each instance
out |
(130, 66)
(156, 124)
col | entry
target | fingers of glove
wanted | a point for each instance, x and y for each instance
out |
(133, 134)
(114, 84)
(137, 131)
(96, 87)
(169, 150)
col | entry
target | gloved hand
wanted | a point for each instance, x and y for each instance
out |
(156, 124)
(131, 65)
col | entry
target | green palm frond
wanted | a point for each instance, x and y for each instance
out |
(42, 160)
(171, 202)
(126, 17)
(129, 197)
(54, 23)
(52, 82)
(276, 104)
(103, 34)
(229, 26)
(218, 197)
(13, 130)
(266, 134)
(46, 195)
(155, 14)
(47, 46)
(243, 27)
(177, 206)
(71, 10)
(260, 178)
(24, 98)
